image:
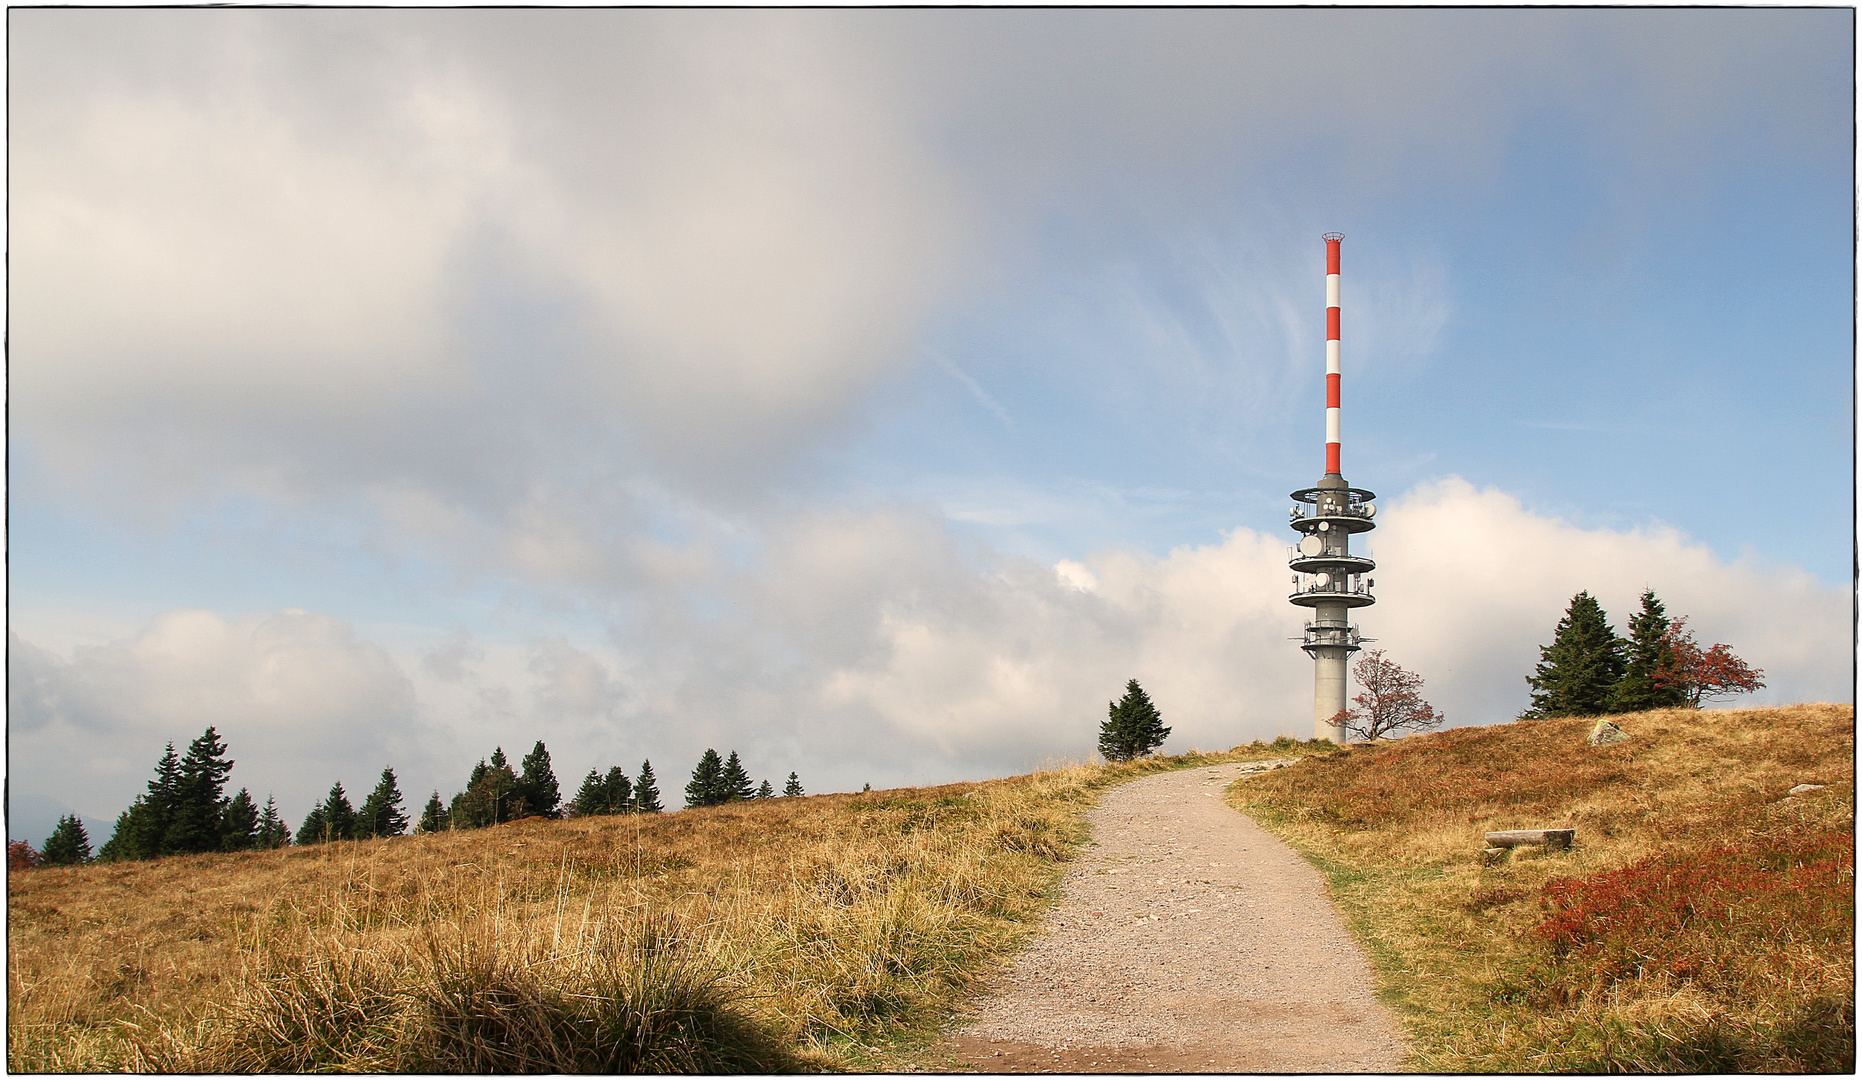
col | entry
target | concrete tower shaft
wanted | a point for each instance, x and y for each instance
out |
(1327, 577)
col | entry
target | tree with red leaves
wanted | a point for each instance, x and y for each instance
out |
(20, 856)
(1704, 674)
(1391, 699)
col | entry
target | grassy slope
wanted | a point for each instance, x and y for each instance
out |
(1703, 922)
(829, 932)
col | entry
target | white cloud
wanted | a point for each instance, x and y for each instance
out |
(875, 646)
(301, 699)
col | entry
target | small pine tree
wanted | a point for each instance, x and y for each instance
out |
(1649, 663)
(69, 844)
(272, 831)
(141, 829)
(646, 791)
(620, 791)
(491, 798)
(537, 786)
(706, 787)
(793, 788)
(316, 826)
(339, 816)
(381, 813)
(764, 791)
(592, 798)
(434, 818)
(734, 783)
(1133, 726)
(239, 823)
(1577, 671)
(194, 821)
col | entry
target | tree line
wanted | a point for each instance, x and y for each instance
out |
(1588, 670)
(185, 809)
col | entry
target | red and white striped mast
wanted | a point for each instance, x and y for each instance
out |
(1327, 577)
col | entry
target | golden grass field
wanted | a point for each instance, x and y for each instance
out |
(1702, 922)
(820, 933)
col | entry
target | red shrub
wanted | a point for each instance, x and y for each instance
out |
(20, 856)
(1725, 918)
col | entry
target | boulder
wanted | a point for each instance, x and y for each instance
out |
(1607, 734)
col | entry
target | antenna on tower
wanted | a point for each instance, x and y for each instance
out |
(1340, 511)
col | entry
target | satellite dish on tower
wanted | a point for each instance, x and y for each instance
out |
(1311, 545)
(1324, 580)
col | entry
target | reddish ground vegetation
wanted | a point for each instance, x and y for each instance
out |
(1703, 921)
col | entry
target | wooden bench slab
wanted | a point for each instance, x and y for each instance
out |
(1506, 838)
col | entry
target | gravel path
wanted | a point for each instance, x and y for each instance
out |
(1186, 940)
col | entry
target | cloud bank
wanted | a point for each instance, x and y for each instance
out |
(874, 647)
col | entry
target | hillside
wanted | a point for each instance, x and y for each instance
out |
(1702, 922)
(826, 932)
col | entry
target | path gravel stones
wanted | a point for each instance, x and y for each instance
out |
(1186, 940)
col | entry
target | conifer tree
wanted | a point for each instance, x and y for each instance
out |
(434, 818)
(537, 786)
(69, 844)
(764, 791)
(1133, 726)
(194, 820)
(239, 823)
(272, 831)
(734, 783)
(619, 791)
(491, 798)
(1648, 680)
(646, 791)
(382, 813)
(707, 784)
(592, 798)
(141, 829)
(316, 826)
(339, 816)
(793, 788)
(1577, 671)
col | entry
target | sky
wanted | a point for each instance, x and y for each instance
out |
(874, 392)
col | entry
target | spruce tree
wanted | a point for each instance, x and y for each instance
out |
(793, 788)
(646, 791)
(734, 783)
(1577, 671)
(764, 791)
(239, 823)
(69, 844)
(491, 797)
(434, 818)
(194, 822)
(382, 813)
(1648, 680)
(316, 826)
(620, 791)
(339, 815)
(143, 826)
(707, 784)
(537, 786)
(272, 831)
(1133, 726)
(592, 798)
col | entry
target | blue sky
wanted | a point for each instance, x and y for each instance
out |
(874, 392)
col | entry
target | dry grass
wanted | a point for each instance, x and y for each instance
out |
(818, 933)
(1704, 921)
